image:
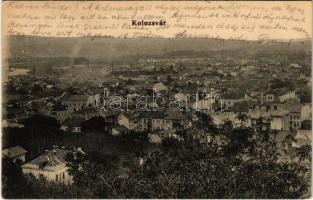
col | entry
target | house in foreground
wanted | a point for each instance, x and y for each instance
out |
(51, 165)
(15, 153)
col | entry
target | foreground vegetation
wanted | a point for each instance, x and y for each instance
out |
(129, 167)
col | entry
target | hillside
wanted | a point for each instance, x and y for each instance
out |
(116, 48)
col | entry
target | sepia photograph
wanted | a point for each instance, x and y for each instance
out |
(156, 100)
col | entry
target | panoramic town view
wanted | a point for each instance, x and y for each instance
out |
(156, 118)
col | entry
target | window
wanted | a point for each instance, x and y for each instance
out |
(63, 175)
(56, 177)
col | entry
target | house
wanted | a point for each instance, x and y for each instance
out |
(60, 112)
(291, 95)
(233, 73)
(128, 120)
(295, 65)
(294, 112)
(153, 120)
(51, 165)
(75, 102)
(266, 98)
(303, 137)
(170, 133)
(15, 153)
(172, 119)
(159, 121)
(231, 99)
(118, 130)
(260, 120)
(72, 125)
(294, 115)
(306, 112)
(160, 88)
(210, 81)
(12, 123)
(280, 120)
(154, 138)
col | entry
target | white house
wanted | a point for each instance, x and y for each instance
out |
(306, 112)
(51, 166)
(280, 120)
(128, 120)
(288, 96)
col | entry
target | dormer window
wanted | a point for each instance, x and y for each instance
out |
(42, 164)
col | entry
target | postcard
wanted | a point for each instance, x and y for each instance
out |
(156, 99)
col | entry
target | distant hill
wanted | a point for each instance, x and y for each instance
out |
(118, 48)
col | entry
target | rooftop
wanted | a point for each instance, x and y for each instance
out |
(13, 152)
(75, 97)
(234, 95)
(74, 122)
(51, 158)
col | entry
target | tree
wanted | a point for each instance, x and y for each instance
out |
(204, 122)
(96, 124)
(242, 117)
(41, 125)
(305, 95)
(36, 89)
(305, 153)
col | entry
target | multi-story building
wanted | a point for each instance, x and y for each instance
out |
(75, 102)
(260, 122)
(153, 120)
(279, 120)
